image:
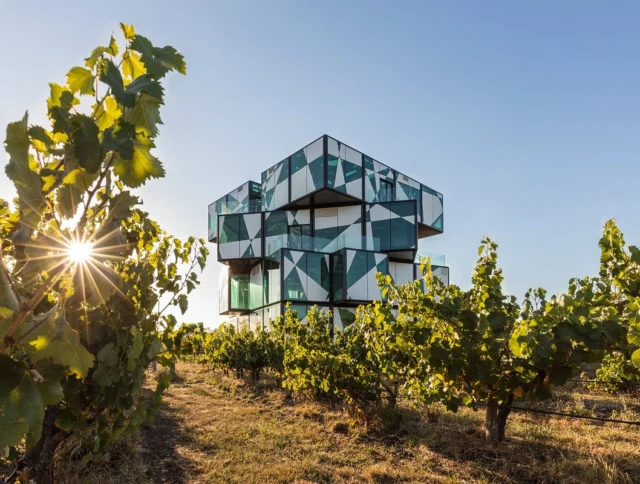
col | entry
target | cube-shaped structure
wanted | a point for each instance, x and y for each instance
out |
(316, 230)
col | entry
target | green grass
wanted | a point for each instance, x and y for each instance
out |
(215, 429)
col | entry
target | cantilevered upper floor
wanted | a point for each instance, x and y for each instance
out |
(329, 173)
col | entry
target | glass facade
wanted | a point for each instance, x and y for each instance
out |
(407, 188)
(317, 229)
(275, 186)
(402, 272)
(244, 199)
(354, 275)
(223, 294)
(240, 236)
(306, 276)
(393, 224)
(432, 208)
(307, 170)
(344, 168)
(343, 317)
(379, 181)
(239, 289)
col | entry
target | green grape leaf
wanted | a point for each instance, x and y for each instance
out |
(21, 406)
(21, 170)
(183, 303)
(86, 143)
(119, 138)
(132, 65)
(60, 97)
(103, 283)
(49, 387)
(5, 313)
(81, 178)
(128, 31)
(8, 300)
(146, 114)
(41, 139)
(141, 167)
(111, 76)
(135, 348)
(107, 113)
(68, 197)
(158, 61)
(51, 336)
(66, 420)
(633, 336)
(121, 205)
(154, 348)
(100, 51)
(81, 80)
(635, 358)
(613, 330)
(107, 371)
(146, 83)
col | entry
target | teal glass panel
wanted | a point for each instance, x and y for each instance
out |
(325, 236)
(271, 273)
(385, 192)
(381, 230)
(332, 168)
(318, 272)
(298, 161)
(403, 209)
(351, 172)
(300, 237)
(344, 168)
(230, 230)
(239, 291)
(256, 290)
(275, 186)
(316, 169)
(223, 291)
(338, 277)
(294, 289)
(314, 154)
(276, 223)
(301, 309)
(358, 267)
(370, 180)
(403, 232)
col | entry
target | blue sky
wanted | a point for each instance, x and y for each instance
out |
(526, 116)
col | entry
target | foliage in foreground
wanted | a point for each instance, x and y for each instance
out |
(84, 273)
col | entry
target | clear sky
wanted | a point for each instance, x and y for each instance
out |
(525, 115)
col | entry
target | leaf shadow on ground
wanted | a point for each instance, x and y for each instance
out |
(161, 444)
(216, 429)
(532, 452)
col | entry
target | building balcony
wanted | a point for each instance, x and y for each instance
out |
(317, 244)
(436, 259)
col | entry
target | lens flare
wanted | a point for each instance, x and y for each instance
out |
(79, 252)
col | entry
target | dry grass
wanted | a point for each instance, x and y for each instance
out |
(213, 429)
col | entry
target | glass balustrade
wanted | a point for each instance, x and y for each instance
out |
(436, 259)
(317, 244)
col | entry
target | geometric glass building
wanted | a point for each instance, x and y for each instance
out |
(315, 231)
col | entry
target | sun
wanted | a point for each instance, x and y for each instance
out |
(79, 252)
